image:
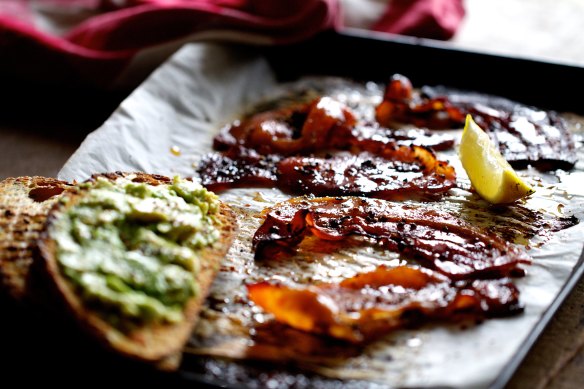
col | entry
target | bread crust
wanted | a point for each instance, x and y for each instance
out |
(24, 205)
(156, 343)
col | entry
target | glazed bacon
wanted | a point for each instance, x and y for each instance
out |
(274, 149)
(525, 136)
(370, 304)
(238, 167)
(364, 136)
(323, 124)
(402, 105)
(437, 240)
(297, 129)
(409, 173)
(462, 284)
(367, 175)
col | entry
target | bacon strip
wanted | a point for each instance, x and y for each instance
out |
(402, 105)
(254, 154)
(237, 168)
(370, 304)
(411, 173)
(323, 124)
(298, 129)
(436, 240)
(525, 136)
(363, 136)
(398, 178)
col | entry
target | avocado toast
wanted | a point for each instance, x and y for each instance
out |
(130, 256)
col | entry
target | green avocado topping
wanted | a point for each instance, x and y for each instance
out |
(131, 248)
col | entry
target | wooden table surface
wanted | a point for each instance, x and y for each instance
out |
(41, 127)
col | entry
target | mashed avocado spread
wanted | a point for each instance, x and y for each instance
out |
(131, 248)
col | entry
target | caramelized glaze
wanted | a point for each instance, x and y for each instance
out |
(435, 239)
(297, 129)
(276, 148)
(524, 135)
(365, 174)
(370, 304)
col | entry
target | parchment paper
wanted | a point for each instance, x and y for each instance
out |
(169, 122)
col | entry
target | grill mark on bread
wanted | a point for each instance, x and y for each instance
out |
(24, 205)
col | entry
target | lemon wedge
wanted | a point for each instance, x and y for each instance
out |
(490, 174)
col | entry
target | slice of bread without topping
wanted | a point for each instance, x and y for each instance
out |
(161, 343)
(24, 205)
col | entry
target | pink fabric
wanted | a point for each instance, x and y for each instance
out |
(98, 49)
(436, 19)
(149, 22)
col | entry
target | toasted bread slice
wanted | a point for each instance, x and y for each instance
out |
(24, 205)
(159, 343)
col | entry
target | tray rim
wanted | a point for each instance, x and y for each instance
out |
(546, 90)
(447, 46)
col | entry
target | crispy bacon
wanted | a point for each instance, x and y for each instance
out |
(363, 135)
(525, 136)
(367, 175)
(381, 167)
(408, 173)
(370, 304)
(323, 124)
(239, 167)
(298, 129)
(402, 105)
(435, 239)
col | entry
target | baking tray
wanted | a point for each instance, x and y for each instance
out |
(367, 56)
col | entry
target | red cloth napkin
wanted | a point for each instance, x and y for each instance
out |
(94, 41)
(436, 19)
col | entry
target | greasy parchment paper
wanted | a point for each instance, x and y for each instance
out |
(169, 122)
